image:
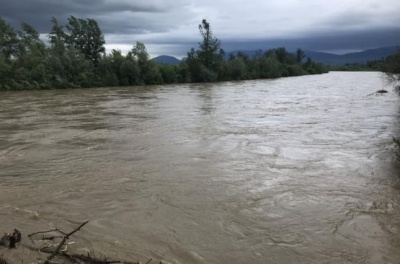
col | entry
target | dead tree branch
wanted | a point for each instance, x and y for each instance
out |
(48, 231)
(65, 238)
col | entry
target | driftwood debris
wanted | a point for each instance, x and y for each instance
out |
(61, 248)
(63, 242)
(48, 245)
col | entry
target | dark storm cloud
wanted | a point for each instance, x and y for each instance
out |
(327, 42)
(113, 16)
(172, 25)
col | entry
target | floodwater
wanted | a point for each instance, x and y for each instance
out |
(292, 170)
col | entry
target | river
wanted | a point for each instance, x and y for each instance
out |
(291, 170)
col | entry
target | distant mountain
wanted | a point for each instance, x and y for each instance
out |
(324, 57)
(164, 59)
(329, 58)
(355, 57)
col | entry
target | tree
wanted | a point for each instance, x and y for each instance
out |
(281, 54)
(5, 72)
(198, 71)
(57, 36)
(210, 51)
(106, 75)
(8, 39)
(76, 58)
(300, 55)
(129, 72)
(269, 66)
(168, 73)
(86, 36)
(392, 72)
(139, 51)
(69, 70)
(205, 63)
(238, 69)
(392, 68)
(149, 72)
(31, 49)
(116, 59)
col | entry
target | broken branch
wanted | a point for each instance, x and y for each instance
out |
(56, 251)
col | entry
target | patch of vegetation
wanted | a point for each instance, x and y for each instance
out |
(75, 57)
(391, 68)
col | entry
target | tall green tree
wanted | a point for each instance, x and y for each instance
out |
(129, 73)
(30, 46)
(57, 36)
(140, 53)
(105, 73)
(69, 70)
(149, 72)
(8, 39)
(30, 57)
(210, 48)
(85, 35)
(205, 63)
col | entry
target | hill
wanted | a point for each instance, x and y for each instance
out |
(323, 57)
(164, 59)
(330, 58)
(355, 57)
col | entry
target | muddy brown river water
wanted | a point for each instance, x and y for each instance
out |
(293, 170)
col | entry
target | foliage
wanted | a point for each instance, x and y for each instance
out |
(237, 68)
(392, 67)
(75, 57)
(8, 40)
(85, 36)
(57, 36)
(205, 63)
(209, 53)
(148, 70)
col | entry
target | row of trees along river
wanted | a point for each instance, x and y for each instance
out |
(75, 57)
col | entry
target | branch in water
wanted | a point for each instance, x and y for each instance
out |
(56, 251)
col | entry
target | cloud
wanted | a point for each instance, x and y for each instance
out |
(117, 16)
(172, 25)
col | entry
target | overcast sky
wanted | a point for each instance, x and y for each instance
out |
(170, 26)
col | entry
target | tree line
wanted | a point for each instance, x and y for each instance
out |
(75, 56)
(391, 68)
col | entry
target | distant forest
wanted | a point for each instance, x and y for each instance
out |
(75, 57)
